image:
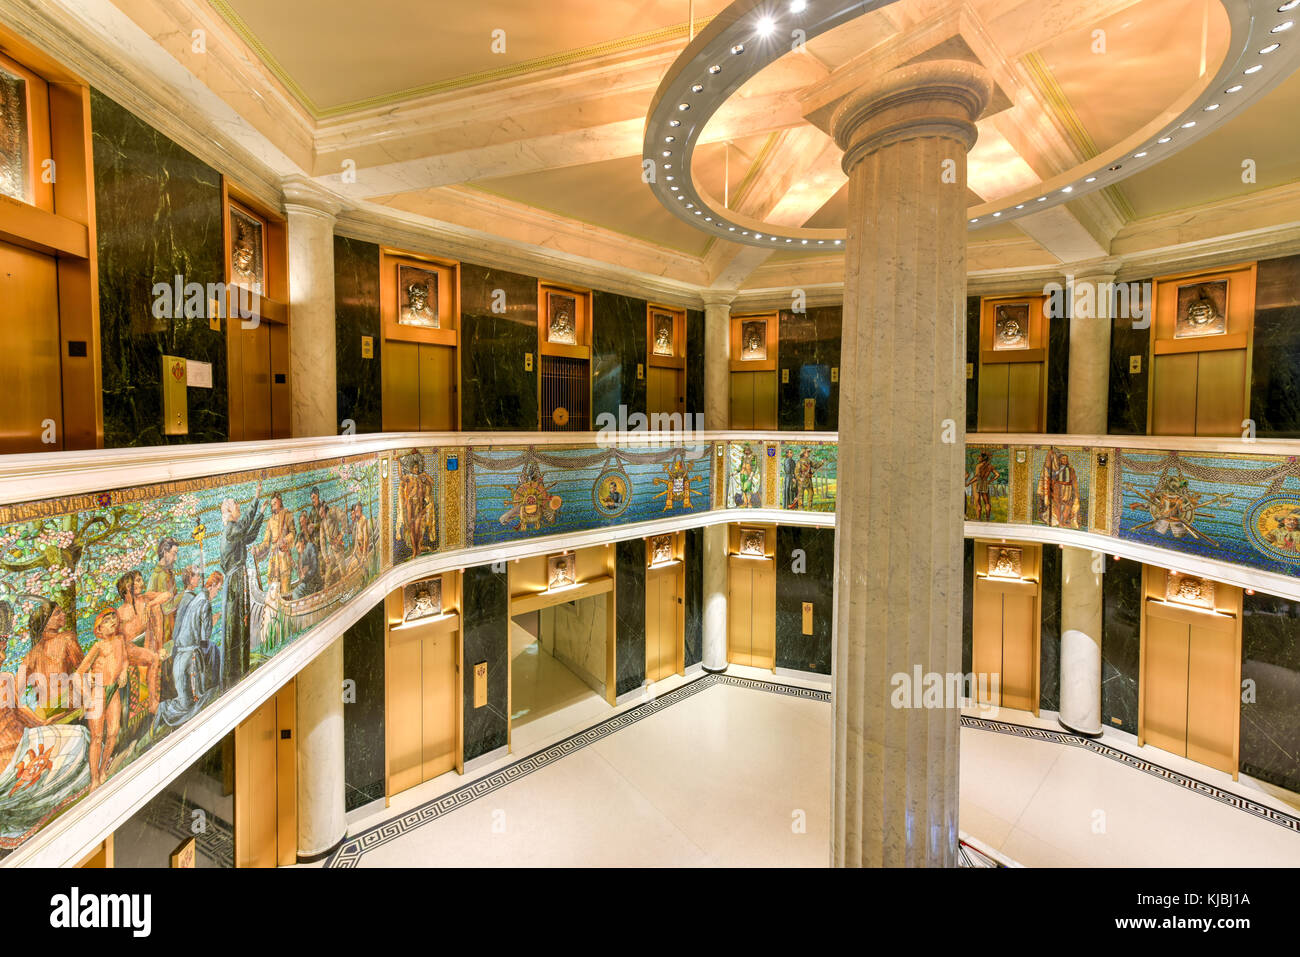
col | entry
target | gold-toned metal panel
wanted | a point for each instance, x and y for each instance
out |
(1220, 392)
(763, 646)
(404, 717)
(1024, 397)
(401, 386)
(764, 400)
(992, 410)
(1214, 703)
(1173, 394)
(255, 789)
(1164, 684)
(1018, 659)
(740, 609)
(742, 400)
(255, 380)
(438, 398)
(286, 774)
(29, 350)
(439, 702)
(986, 641)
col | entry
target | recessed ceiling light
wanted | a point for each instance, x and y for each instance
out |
(1233, 89)
(683, 106)
(669, 178)
(698, 87)
(773, 238)
(668, 152)
(1270, 48)
(738, 48)
(1042, 199)
(1212, 107)
(1164, 139)
(821, 242)
(715, 69)
(1289, 5)
(1253, 69)
(765, 26)
(670, 139)
(1140, 155)
(699, 212)
(756, 235)
(975, 220)
(839, 242)
(1090, 179)
(674, 188)
(731, 229)
(708, 219)
(789, 240)
(798, 6)
(681, 196)
(1068, 189)
(690, 205)
(1189, 124)
(1021, 206)
(674, 122)
(1283, 27)
(803, 242)
(1111, 169)
(668, 165)
(996, 215)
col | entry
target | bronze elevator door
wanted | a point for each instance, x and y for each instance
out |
(419, 389)
(662, 625)
(1199, 393)
(1190, 701)
(665, 392)
(751, 612)
(753, 400)
(422, 682)
(266, 799)
(29, 350)
(1010, 397)
(1003, 642)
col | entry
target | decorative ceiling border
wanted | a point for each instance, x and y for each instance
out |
(238, 24)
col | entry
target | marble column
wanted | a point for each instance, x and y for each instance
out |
(898, 604)
(717, 359)
(310, 211)
(717, 418)
(1081, 568)
(322, 815)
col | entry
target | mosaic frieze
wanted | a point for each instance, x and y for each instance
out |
(808, 476)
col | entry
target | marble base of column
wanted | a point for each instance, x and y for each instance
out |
(715, 599)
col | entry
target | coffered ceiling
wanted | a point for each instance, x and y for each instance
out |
(406, 105)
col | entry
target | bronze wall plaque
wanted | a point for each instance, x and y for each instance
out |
(561, 319)
(417, 297)
(753, 339)
(247, 251)
(480, 684)
(1202, 309)
(422, 599)
(1011, 326)
(1004, 562)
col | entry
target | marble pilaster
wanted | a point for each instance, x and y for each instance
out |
(717, 357)
(310, 211)
(322, 815)
(715, 598)
(898, 601)
(1081, 577)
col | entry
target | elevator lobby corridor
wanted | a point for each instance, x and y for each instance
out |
(722, 771)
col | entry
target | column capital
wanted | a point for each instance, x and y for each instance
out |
(302, 195)
(936, 98)
(718, 297)
(1096, 270)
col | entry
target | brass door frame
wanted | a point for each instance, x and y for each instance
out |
(768, 563)
(1227, 613)
(450, 620)
(395, 337)
(1036, 354)
(1031, 557)
(677, 569)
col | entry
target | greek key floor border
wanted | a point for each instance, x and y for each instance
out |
(350, 852)
(1280, 818)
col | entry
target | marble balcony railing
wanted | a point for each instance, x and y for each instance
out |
(401, 507)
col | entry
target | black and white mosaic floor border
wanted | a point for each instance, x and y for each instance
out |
(353, 848)
(1280, 818)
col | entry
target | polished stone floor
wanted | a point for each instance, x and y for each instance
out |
(735, 775)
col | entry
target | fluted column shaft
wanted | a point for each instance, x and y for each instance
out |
(1081, 568)
(311, 212)
(898, 599)
(717, 418)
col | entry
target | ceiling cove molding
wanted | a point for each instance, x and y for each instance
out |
(419, 234)
(100, 44)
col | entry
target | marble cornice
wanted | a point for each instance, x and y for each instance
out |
(303, 194)
(420, 234)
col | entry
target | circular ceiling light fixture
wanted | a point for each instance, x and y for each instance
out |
(696, 74)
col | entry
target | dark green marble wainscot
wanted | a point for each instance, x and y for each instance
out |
(973, 364)
(363, 714)
(157, 215)
(1270, 725)
(1049, 671)
(618, 340)
(486, 614)
(695, 363)
(629, 600)
(1058, 373)
(967, 604)
(356, 314)
(1275, 359)
(1127, 408)
(809, 348)
(694, 597)
(496, 393)
(1121, 631)
(816, 583)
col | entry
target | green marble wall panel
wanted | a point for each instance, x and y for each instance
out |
(618, 337)
(486, 601)
(363, 710)
(356, 314)
(158, 216)
(809, 349)
(498, 312)
(1275, 359)
(805, 572)
(1270, 720)
(629, 605)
